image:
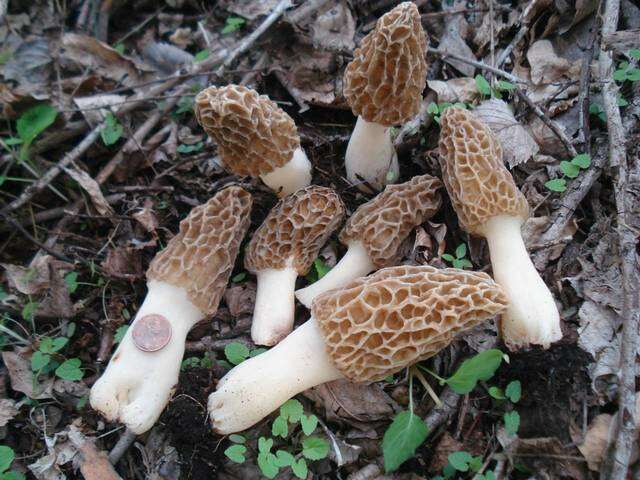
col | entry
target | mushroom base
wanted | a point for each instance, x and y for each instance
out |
(274, 311)
(259, 385)
(371, 156)
(136, 386)
(355, 263)
(532, 316)
(292, 176)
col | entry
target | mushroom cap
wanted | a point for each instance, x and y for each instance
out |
(382, 224)
(201, 256)
(384, 81)
(253, 134)
(478, 183)
(377, 325)
(295, 230)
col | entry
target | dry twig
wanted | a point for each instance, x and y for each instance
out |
(616, 465)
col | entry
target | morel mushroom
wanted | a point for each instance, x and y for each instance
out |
(374, 233)
(373, 327)
(283, 247)
(383, 85)
(489, 204)
(185, 282)
(255, 137)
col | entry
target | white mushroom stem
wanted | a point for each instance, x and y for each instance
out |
(371, 155)
(292, 176)
(137, 385)
(532, 316)
(274, 309)
(259, 385)
(355, 263)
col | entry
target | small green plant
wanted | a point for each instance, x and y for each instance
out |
(7, 456)
(626, 71)
(192, 362)
(459, 261)
(239, 277)
(201, 55)
(320, 269)
(436, 109)
(570, 169)
(31, 124)
(47, 358)
(237, 352)
(484, 87)
(112, 130)
(119, 47)
(301, 447)
(120, 333)
(233, 24)
(184, 148)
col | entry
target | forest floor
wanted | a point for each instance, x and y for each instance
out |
(102, 157)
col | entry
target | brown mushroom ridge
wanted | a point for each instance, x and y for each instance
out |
(379, 324)
(478, 183)
(200, 257)
(384, 81)
(384, 222)
(296, 228)
(253, 134)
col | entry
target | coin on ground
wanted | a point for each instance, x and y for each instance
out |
(151, 333)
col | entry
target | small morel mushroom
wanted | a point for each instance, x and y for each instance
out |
(185, 282)
(489, 204)
(383, 85)
(375, 326)
(255, 137)
(283, 247)
(375, 231)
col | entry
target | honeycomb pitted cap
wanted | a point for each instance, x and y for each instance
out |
(382, 224)
(380, 324)
(200, 257)
(253, 134)
(295, 230)
(384, 81)
(478, 183)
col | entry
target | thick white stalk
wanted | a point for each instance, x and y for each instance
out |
(274, 310)
(532, 316)
(355, 263)
(137, 385)
(259, 385)
(371, 156)
(292, 176)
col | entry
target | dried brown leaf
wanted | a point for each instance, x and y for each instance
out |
(97, 56)
(90, 186)
(8, 410)
(517, 144)
(19, 368)
(335, 29)
(241, 298)
(123, 263)
(461, 89)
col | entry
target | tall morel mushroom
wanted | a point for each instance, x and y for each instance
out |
(383, 85)
(374, 233)
(255, 137)
(373, 327)
(489, 204)
(283, 247)
(185, 282)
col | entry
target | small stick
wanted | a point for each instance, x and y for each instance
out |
(33, 240)
(480, 65)
(616, 464)
(526, 25)
(121, 446)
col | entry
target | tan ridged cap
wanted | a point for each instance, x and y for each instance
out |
(384, 81)
(253, 134)
(200, 257)
(398, 316)
(382, 224)
(295, 230)
(478, 183)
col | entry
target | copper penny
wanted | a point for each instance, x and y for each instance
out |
(151, 333)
